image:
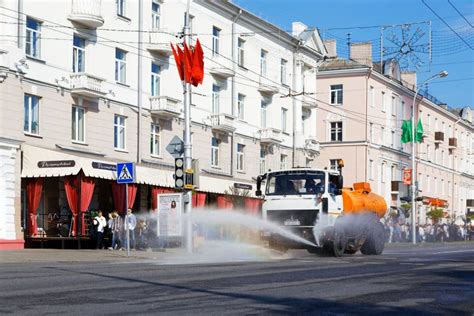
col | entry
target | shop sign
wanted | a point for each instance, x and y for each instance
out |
(104, 166)
(242, 186)
(407, 176)
(170, 215)
(56, 164)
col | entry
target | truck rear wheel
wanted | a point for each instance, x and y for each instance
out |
(276, 246)
(375, 241)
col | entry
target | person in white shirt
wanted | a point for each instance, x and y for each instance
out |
(100, 223)
(130, 223)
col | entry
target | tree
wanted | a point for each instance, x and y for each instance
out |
(435, 214)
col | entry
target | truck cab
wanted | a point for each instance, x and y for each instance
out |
(299, 199)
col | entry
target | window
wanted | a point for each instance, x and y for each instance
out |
(371, 132)
(78, 54)
(305, 118)
(449, 188)
(120, 7)
(31, 121)
(240, 52)
(216, 91)
(382, 172)
(120, 65)
(283, 161)
(392, 140)
(263, 62)
(442, 157)
(155, 14)
(262, 160)
(240, 157)
(336, 131)
(394, 105)
(240, 106)
(371, 169)
(214, 152)
(428, 183)
(382, 135)
(333, 164)
(403, 110)
(435, 188)
(77, 132)
(155, 79)
(428, 152)
(336, 94)
(420, 182)
(284, 116)
(443, 189)
(119, 132)
(215, 40)
(155, 140)
(283, 72)
(428, 122)
(383, 102)
(372, 96)
(263, 114)
(33, 38)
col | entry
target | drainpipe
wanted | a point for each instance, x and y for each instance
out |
(19, 24)
(295, 103)
(232, 91)
(139, 85)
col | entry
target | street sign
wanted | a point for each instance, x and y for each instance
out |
(242, 186)
(407, 176)
(175, 147)
(125, 172)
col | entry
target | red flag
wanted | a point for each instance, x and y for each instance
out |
(198, 65)
(188, 63)
(178, 57)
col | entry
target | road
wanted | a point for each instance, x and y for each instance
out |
(436, 279)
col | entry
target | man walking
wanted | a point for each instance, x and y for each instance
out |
(130, 224)
(100, 223)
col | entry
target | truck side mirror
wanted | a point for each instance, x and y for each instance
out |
(258, 193)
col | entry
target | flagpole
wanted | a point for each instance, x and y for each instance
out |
(413, 151)
(187, 137)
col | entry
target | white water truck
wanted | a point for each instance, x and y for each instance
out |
(313, 204)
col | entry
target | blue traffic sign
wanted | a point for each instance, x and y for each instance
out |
(125, 172)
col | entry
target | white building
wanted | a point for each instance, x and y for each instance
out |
(93, 82)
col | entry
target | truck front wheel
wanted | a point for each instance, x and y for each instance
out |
(375, 242)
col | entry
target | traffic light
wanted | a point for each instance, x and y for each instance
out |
(179, 173)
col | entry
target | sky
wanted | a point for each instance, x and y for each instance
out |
(449, 52)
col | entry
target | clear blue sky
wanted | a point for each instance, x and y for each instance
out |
(449, 51)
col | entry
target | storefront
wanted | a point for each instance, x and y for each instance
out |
(61, 194)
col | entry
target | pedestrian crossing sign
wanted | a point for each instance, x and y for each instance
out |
(125, 172)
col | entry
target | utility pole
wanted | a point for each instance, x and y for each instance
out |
(188, 161)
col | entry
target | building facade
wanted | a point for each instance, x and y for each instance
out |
(361, 108)
(93, 83)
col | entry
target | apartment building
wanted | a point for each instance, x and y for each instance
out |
(361, 107)
(92, 83)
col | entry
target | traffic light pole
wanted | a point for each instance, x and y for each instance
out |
(187, 140)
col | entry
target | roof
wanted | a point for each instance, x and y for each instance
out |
(340, 63)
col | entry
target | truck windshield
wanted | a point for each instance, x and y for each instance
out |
(296, 183)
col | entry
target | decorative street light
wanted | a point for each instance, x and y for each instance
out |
(441, 74)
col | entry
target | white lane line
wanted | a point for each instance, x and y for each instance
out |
(452, 251)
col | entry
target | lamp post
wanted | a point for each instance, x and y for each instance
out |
(441, 74)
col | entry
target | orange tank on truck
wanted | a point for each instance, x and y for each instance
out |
(362, 200)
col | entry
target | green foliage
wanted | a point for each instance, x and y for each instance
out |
(435, 214)
(406, 206)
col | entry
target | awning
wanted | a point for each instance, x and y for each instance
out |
(218, 185)
(41, 162)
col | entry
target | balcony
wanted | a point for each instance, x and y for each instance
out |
(86, 12)
(222, 123)
(439, 137)
(86, 85)
(221, 67)
(312, 145)
(453, 142)
(270, 136)
(309, 102)
(165, 107)
(267, 87)
(159, 42)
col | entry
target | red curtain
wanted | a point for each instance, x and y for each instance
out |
(253, 206)
(118, 192)
(70, 186)
(224, 202)
(87, 190)
(34, 187)
(199, 199)
(154, 198)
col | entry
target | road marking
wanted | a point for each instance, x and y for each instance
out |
(452, 251)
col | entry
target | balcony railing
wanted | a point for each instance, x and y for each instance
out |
(270, 136)
(87, 12)
(165, 107)
(159, 42)
(223, 122)
(86, 85)
(267, 87)
(221, 67)
(439, 137)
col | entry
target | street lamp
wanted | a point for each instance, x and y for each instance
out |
(441, 74)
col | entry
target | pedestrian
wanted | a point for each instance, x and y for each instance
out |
(117, 225)
(130, 224)
(142, 233)
(100, 223)
(421, 234)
